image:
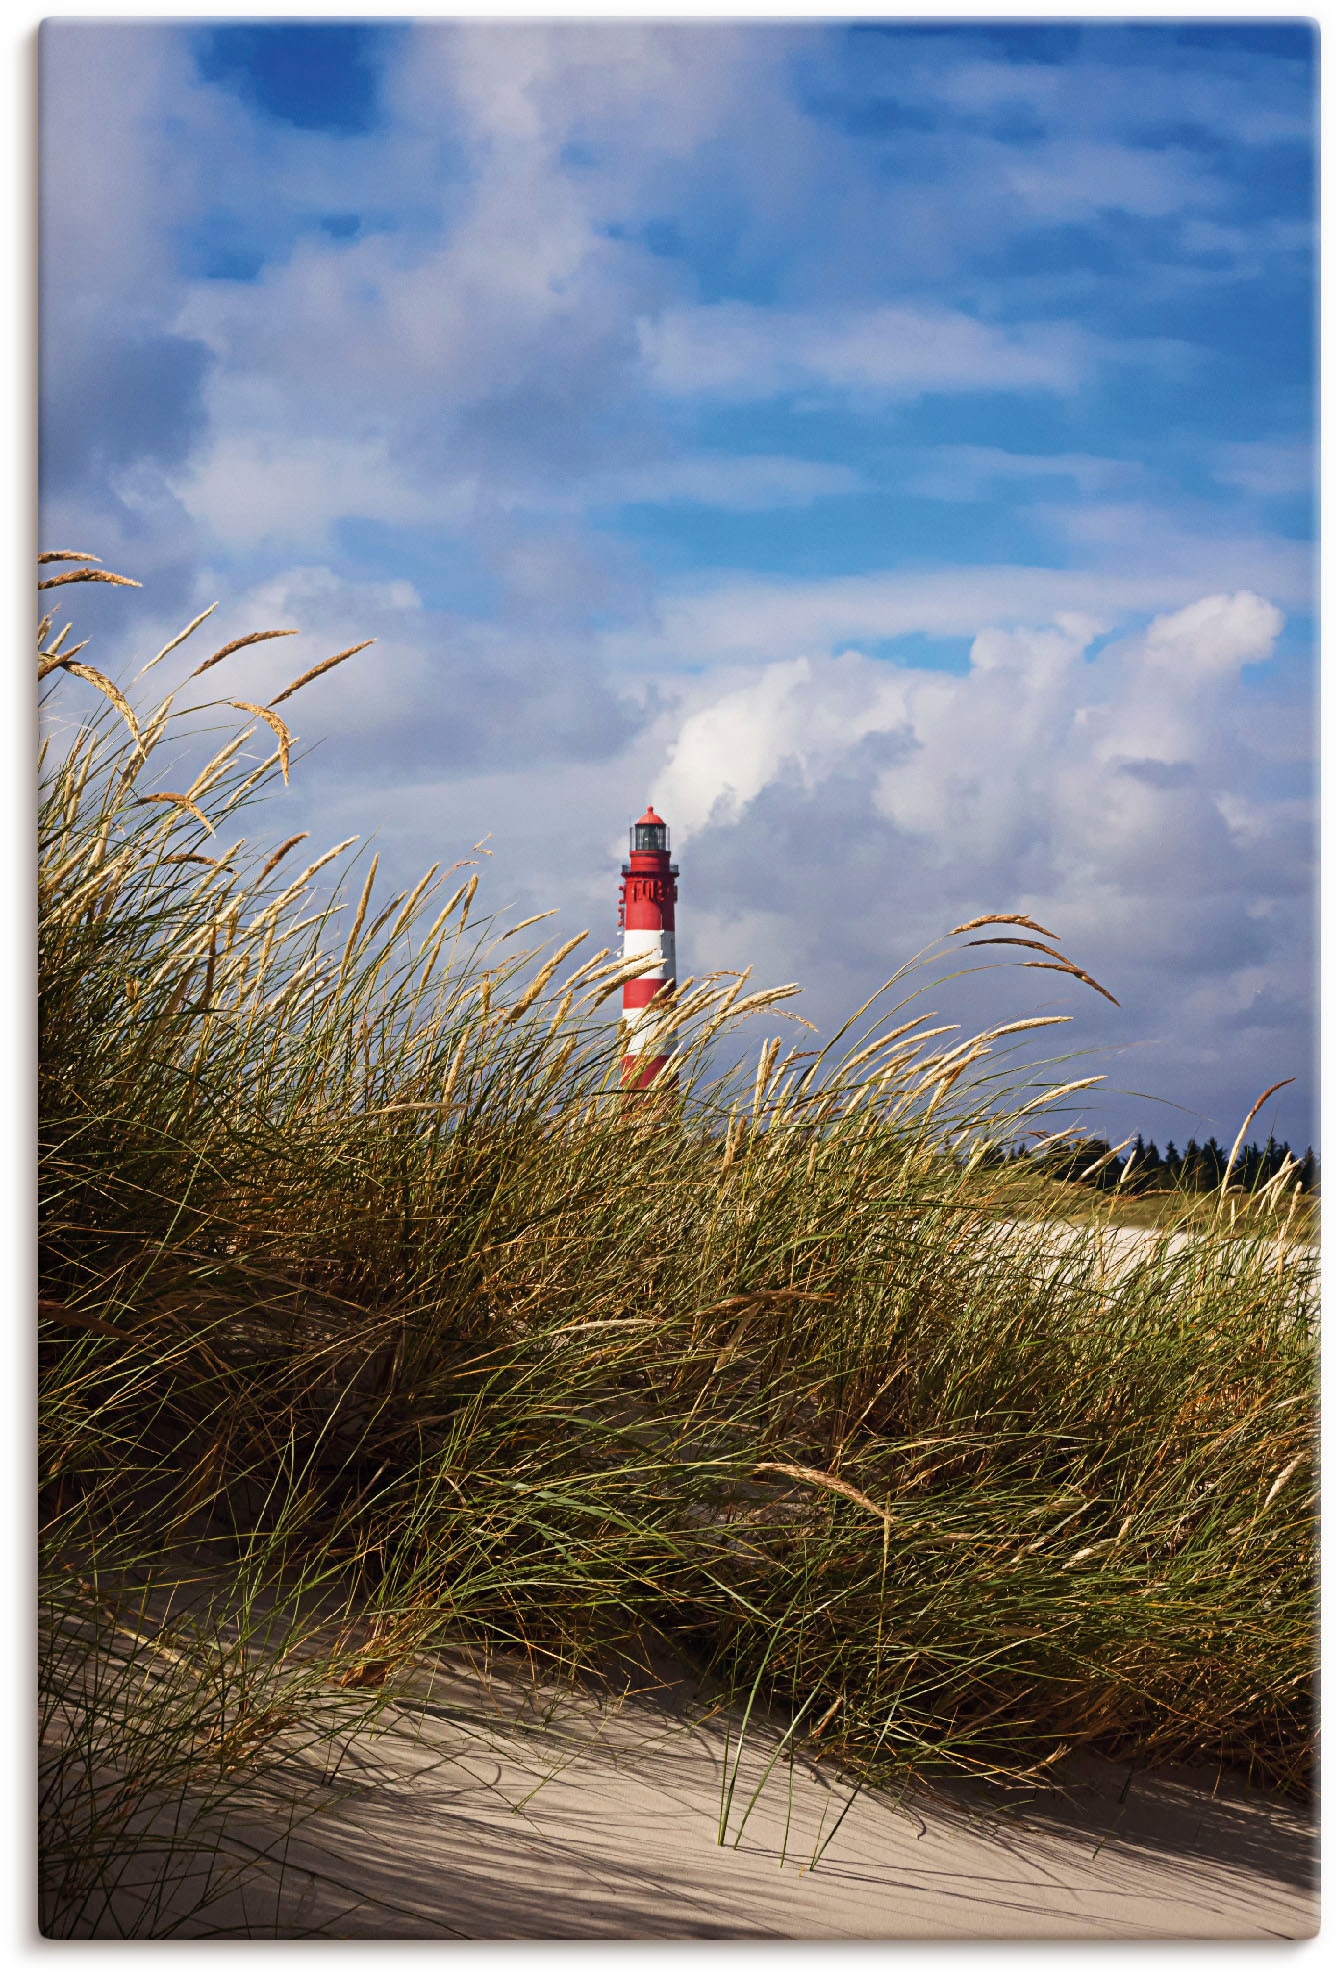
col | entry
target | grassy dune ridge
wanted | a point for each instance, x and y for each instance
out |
(374, 1317)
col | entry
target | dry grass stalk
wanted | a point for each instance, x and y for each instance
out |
(542, 976)
(828, 1482)
(1002, 917)
(524, 924)
(351, 941)
(90, 575)
(103, 684)
(173, 643)
(1265, 1097)
(271, 718)
(1057, 962)
(238, 643)
(180, 801)
(272, 862)
(51, 661)
(319, 670)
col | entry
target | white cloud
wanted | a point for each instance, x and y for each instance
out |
(791, 713)
(843, 812)
(740, 351)
(1217, 634)
(976, 749)
(1070, 180)
(525, 84)
(257, 488)
(754, 620)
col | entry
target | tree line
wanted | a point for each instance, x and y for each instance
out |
(1197, 1167)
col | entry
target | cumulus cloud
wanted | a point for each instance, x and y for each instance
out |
(842, 812)
(1145, 698)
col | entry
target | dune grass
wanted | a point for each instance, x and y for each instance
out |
(374, 1317)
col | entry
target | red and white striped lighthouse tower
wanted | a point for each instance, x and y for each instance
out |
(648, 894)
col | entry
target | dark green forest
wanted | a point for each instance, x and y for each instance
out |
(1198, 1167)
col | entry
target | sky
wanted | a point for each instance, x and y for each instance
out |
(887, 448)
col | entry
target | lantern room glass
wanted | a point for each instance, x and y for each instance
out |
(649, 837)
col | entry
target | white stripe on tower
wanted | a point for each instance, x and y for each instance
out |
(658, 950)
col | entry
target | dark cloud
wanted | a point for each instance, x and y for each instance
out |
(813, 884)
(120, 402)
(503, 706)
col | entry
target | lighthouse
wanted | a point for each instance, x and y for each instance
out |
(648, 894)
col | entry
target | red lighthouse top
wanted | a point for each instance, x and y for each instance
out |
(649, 880)
(649, 836)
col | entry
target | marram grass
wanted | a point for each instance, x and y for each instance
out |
(374, 1318)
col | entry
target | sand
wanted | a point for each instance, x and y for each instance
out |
(490, 1808)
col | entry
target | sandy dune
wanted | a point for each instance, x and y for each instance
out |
(1117, 1248)
(489, 1809)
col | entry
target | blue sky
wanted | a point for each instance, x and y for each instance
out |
(888, 447)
